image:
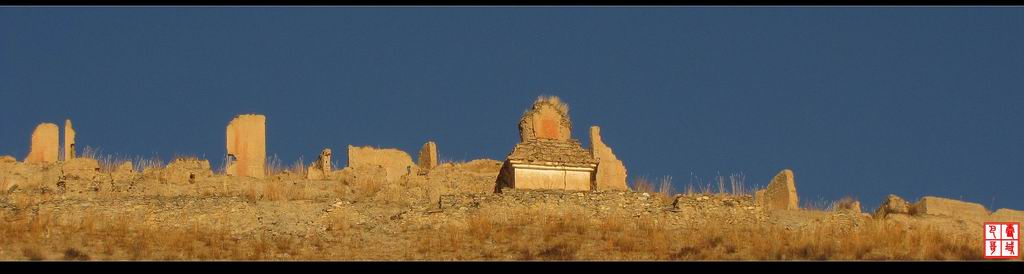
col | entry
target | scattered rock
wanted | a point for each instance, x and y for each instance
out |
(321, 168)
(892, 205)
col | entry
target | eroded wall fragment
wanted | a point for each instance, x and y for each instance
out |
(185, 170)
(937, 206)
(81, 168)
(428, 156)
(246, 145)
(69, 140)
(780, 193)
(611, 173)
(321, 168)
(44, 146)
(396, 163)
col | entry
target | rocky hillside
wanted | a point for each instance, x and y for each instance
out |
(91, 210)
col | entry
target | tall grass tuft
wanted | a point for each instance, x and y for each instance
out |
(109, 163)
(140, 163)
(273, 165)
(663, 190)
(734, 184)
(298, 167)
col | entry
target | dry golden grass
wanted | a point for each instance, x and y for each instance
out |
(272, 166)
(557, 235)
(5, 186)
(112, 237)
(274, 191)
(140, 164)
(820, 204)
(545, 230)
(109, 163)
(846, 203)
(540, 232)
(554, 101)
(366, 188)
(299, 167)
(734, 185)
(662, 191)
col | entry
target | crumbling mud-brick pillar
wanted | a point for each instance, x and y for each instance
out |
(320, 169)
(69, 140)
(428, 156)
(611, 173)
(44, 147)
(246, 145)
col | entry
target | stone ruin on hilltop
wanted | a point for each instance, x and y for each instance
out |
(428, 157)
(611, 173)
(247, 145)
(69, 140)
(321, 168)
(44, 146)
(780, 193)
(393, 163)
(547, 157)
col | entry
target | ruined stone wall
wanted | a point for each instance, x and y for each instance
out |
(246, 145)
(938, 206)
(181, 171)
(780, 193)
(124, 171)
(611, 173)
(395, 162)
(81, 168)
(45, 144)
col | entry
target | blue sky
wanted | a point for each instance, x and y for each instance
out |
(857, 101)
